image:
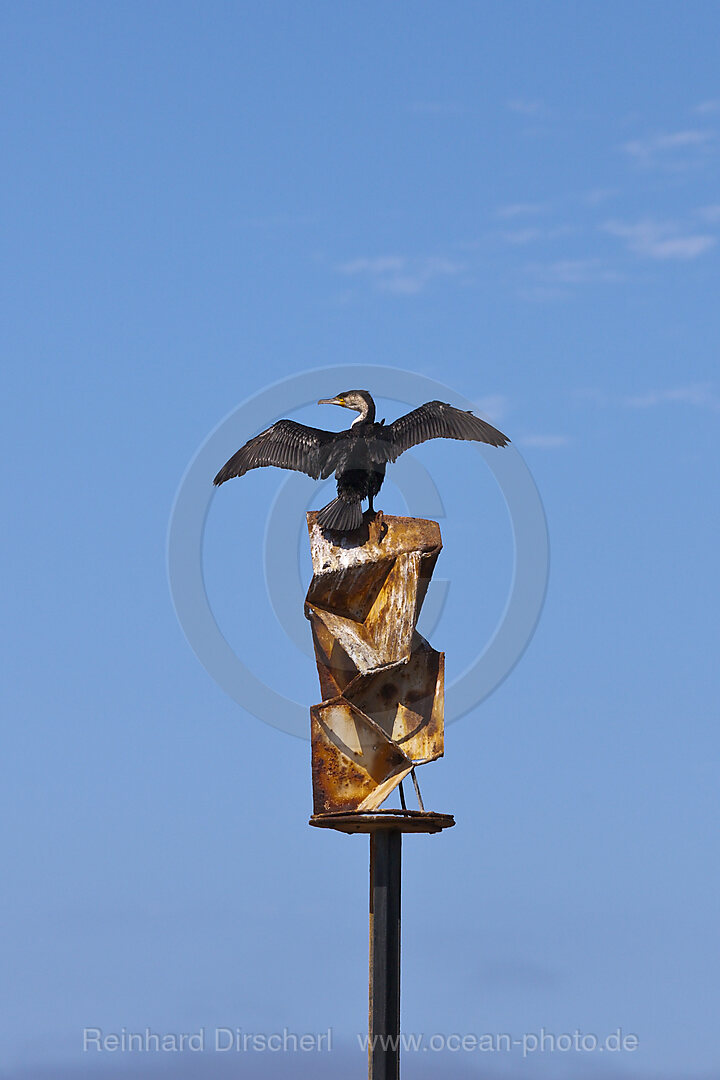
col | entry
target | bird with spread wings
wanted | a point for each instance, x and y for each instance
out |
(358, 455)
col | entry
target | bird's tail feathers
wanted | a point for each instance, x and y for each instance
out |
(340, 516)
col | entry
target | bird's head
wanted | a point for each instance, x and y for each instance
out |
(358, 400)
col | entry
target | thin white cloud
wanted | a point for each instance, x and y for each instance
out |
(596, 196)
(400, 274)
(660, 239)
(513, 210)
(710, 213)
(574, 272)
(675, 149)
(493, 406)
(708, 107)
(544, 294)
(544, 442)
(699, 395)
(382, 264)
(591, 393)
(525, 106)
(520, 237)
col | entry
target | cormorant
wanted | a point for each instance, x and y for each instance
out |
(359, 455)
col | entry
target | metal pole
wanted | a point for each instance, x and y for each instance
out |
(385, 875)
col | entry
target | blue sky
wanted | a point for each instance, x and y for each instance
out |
(520, 200)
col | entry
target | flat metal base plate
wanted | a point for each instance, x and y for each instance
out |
(407, 821)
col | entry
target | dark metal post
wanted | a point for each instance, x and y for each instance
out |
(385, 875)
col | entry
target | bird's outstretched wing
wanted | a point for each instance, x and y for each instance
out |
(286, 444)
(436, 420)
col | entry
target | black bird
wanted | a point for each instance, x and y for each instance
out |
(359, 455)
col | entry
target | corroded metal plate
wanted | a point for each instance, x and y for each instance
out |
(355, 765)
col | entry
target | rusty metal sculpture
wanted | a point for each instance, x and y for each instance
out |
(382, 683)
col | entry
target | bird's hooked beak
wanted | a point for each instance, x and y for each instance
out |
(332, 401)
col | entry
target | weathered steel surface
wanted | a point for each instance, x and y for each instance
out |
(381, 682)
(406, 701)
(335, 668)
(355, 765)
(383, 633)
